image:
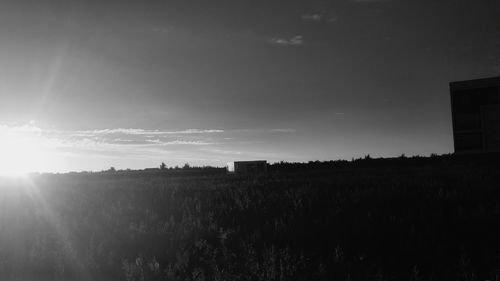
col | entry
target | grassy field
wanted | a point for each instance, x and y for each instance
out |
(360, 220)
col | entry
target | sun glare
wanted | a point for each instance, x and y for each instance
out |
(21, 154)
(19, 158)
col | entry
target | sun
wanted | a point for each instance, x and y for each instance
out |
(20, 156)
(26, 149)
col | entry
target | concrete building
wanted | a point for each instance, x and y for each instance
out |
(475, 106)
(247, 167)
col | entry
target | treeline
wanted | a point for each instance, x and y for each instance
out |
(481, 159)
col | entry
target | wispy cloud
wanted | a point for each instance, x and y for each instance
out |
(262, 130)
(158, 29)
(122, 145)
(131, 141)
(178, 142)
(287, 130)
(312, 17)
(296, 40)
(132, 131)
(19, 129)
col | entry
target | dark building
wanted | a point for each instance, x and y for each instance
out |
(475, 107)
(248, 167)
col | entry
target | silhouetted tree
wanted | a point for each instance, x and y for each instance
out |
(163, 166)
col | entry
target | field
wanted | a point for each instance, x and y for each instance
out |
(405, 219)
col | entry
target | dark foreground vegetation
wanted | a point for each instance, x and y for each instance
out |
(435, 218)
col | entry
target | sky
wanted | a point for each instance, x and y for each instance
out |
(87, 84)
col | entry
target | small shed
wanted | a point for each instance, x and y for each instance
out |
(248, 167)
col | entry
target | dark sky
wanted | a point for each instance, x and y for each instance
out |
(277, 80)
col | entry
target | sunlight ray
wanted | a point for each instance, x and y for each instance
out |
(54, 221)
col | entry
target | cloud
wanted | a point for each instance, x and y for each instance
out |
(132, 131)
(312, 17)
(282, 130)
(296, 40)
(6, 130)
(261, 131)
(178, 142)
(125, 142)
(158, 29)
(81, 148)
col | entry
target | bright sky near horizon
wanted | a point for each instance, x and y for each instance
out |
(88, 84)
